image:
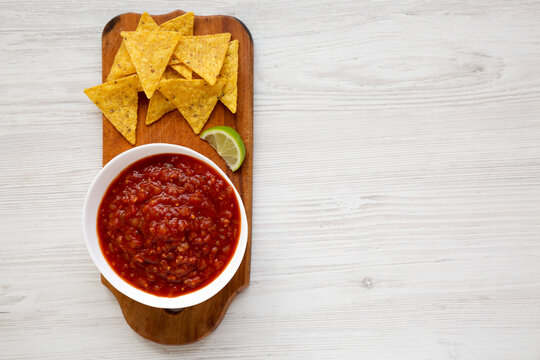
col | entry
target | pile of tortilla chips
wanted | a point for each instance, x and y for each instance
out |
(174, 69)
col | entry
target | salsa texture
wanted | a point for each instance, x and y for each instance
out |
(169, 224)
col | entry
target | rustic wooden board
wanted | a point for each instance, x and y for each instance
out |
(193, 323)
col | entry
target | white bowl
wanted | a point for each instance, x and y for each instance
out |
(91, 205)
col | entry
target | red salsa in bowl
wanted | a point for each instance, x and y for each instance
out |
(169, 224)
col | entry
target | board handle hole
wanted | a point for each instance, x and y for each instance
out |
(173, 311)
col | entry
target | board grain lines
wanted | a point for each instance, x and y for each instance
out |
(395, 188)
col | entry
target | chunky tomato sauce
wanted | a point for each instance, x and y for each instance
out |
(169, 224)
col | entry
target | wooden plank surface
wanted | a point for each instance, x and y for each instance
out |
(192, 323)
(396, 183)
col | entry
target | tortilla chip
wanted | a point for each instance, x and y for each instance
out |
(118, 100)
(203, 54)
(150, 52)
(182, 24)
(229, 72)
(122, 65)
(170, 74)
(158, 106)
(146, 23)
(195, 99)
(183, 70)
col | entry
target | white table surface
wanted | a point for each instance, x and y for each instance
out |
(396, 208)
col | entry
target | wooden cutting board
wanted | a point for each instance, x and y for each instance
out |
(193, 323)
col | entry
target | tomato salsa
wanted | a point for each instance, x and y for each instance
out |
(169, 224)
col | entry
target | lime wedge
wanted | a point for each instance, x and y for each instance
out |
(228, 143)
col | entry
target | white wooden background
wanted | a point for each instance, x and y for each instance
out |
(396, 184)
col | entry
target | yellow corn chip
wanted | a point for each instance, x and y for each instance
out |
(150, 52)
(118, 100)
(183, 70)
(203, 54)
(169, 74)
(182, 24)
(229, 72)
(158, 106)
(146, 23)
(195, 99)
(122, 65)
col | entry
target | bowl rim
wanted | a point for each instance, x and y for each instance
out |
(94, 196)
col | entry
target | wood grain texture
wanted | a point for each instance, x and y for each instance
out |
(396, 183)
(192, 323)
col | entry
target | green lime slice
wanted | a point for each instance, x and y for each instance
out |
(228, 144)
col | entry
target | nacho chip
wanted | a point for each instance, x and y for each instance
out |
(203, 54)
(170, 74)
(150, 52)
(158, 106)
(183, 70)
(229, 72)
(195, 99)
(146, 23)
(122, 65)
(118, 100)
(182, 24)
